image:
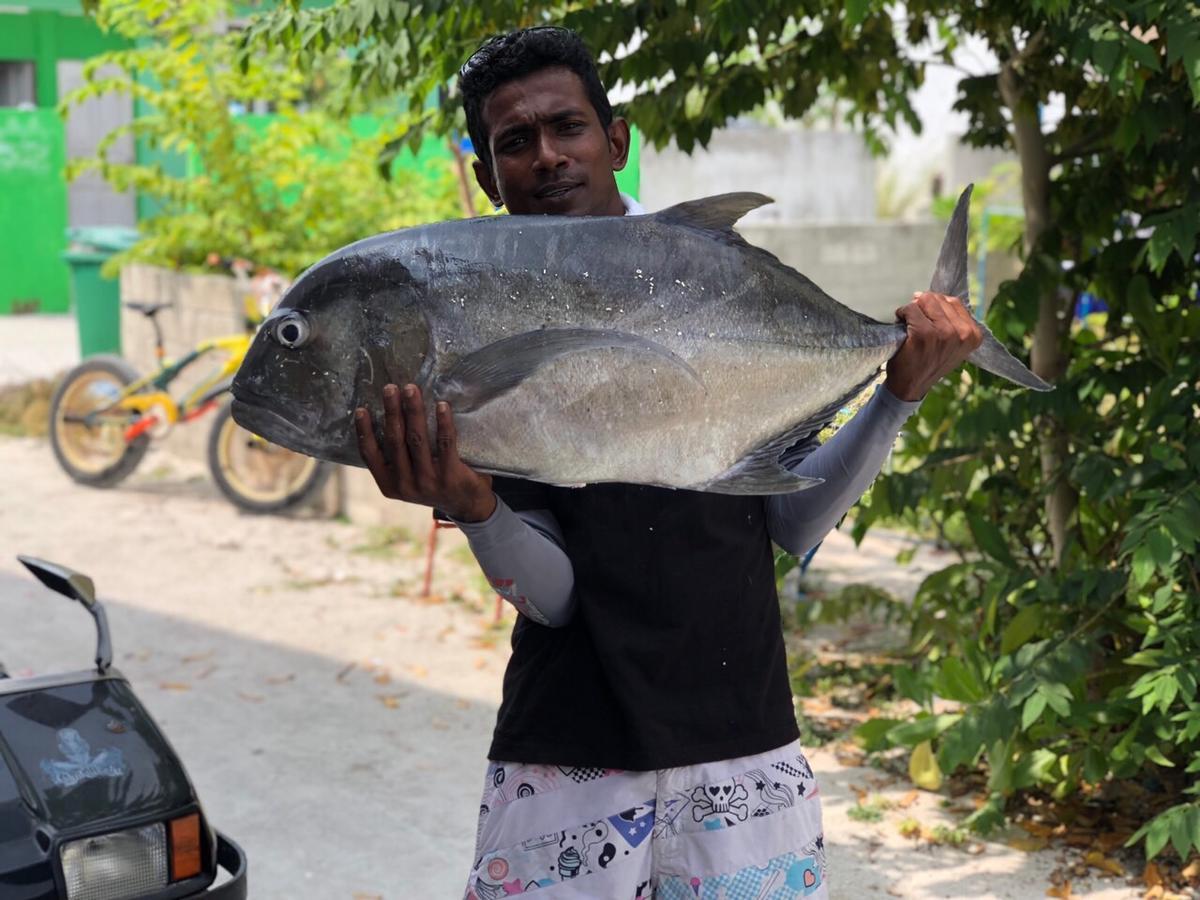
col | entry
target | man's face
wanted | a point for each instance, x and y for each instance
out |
(550, 154)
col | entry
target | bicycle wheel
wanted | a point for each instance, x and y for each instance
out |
(92, 448)
(259, 476)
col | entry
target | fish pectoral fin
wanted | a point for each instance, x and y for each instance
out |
(759, 475)
(502, 365)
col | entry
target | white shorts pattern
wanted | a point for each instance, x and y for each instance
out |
(739, 829)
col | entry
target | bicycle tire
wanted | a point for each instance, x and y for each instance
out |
(303, 488)
(67, 456)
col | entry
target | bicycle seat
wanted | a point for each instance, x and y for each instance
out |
(147, 309)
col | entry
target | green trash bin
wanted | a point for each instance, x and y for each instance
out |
(95, 299)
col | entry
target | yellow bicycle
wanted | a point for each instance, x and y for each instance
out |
(104, 415)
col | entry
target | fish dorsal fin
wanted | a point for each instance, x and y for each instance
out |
(718, 213)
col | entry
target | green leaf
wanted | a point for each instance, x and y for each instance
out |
(856, 11)
(1024, 625)
(872, 734)
(956, 681)
(1033, 709)
(923, 729)
(990, 539)
(1156, 756)
(1142, 566)
(1181, 829)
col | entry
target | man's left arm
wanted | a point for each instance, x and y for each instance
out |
(941, 335)
(848, 462)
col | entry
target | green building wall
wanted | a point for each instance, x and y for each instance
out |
(33, 194)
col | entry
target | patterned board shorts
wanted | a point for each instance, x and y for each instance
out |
(739, 829)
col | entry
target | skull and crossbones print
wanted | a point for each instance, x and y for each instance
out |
(720, 798)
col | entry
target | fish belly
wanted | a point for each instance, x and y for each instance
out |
(616, 416)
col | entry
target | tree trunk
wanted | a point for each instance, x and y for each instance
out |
(1049, 357)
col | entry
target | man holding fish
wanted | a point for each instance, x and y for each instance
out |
(647, 742)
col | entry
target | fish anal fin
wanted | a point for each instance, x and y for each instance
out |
(759, 476)
(499, 367)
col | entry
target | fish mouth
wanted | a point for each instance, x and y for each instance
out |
(557, 190)
(268, 424)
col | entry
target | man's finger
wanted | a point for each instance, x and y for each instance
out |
(416, 436)
(393, 439)
(447, 442)
(372, 456)
(913, 316)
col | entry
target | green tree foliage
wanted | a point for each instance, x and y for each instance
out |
(282, 190)
(1067, 630)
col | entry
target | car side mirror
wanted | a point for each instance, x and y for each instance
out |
(79, 587)
(65, 581)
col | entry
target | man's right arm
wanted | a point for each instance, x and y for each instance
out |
(523, 558)
(521, 554)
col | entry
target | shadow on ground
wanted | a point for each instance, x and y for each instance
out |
(332, 790)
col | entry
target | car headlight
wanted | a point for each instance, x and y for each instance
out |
(116, 866)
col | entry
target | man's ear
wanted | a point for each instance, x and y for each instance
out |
(618, 143)
(483, 175)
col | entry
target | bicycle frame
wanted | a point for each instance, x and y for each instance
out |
(135, 398)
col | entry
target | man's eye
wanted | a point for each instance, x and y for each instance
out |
(512, 144)
(571, 127)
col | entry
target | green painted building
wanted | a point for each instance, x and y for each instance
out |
(42, 45)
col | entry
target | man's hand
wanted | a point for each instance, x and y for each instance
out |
(405, 469)
(942, 333)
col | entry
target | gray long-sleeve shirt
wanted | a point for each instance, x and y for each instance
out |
(522, 555)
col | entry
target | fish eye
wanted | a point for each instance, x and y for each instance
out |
(291, 330)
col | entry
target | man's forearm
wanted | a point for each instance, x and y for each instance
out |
(521, 554)
(848, 462)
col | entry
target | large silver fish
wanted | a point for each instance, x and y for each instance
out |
(659, 349)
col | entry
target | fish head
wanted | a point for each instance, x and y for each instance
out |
(336, 338)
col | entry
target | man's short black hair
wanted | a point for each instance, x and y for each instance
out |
(519, 53)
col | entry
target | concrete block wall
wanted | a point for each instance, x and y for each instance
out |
(870, 267)
(813, 176)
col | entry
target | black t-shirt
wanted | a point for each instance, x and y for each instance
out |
(674, 655)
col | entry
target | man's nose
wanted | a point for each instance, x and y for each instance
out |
(549, 153)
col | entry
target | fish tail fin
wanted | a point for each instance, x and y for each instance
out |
(950, 278)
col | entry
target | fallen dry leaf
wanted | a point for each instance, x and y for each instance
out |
(480, 662)
(908, 799)
(1155, 893)
(1059, 890)
(1192, 870)
(462, 704)
(1037, 829)
(252, 698)
(205, 672)
(197, 657)
(1107, 864)
(341, 676)
(1030, 844)
(860, 793)
(391, 701)
(1111, 840)
(417, 670)
(280, 679)
(174, 686)
(359, 895)
(1151, 876)
(383, 678)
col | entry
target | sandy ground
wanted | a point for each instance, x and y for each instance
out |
(334, 722)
